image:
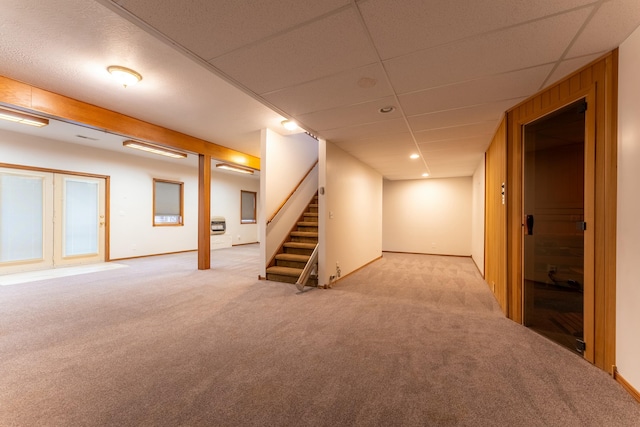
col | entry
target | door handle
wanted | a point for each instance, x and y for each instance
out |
(529, 225)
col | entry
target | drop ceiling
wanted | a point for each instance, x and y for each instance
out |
(221, 71)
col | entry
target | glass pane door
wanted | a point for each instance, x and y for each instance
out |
(80, 219)
(553, 225)
(26, 220)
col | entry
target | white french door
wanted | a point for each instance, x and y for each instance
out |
(49, 220)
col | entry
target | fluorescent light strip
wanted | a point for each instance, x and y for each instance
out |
(234, 168)
(25, 119)
(154, 149)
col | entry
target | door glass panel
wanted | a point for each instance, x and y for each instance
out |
(21, 217)
(553, 229)
(80, 217)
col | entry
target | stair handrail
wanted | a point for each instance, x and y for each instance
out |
(306, 271)
(291, 194)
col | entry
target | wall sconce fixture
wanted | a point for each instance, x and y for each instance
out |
(25, 119)
(151, 148)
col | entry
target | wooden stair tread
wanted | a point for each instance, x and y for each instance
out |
(293, 257)
(307, 224)
(300, 245)
(311, 213)
(304, 233)
(285, 271)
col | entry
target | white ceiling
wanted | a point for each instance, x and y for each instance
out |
(221, 70)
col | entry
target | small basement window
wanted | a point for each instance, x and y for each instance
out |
(167, 202)
(247, 207)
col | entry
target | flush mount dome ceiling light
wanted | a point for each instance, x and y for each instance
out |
(289, 125)
(414, 156)
(123, 75)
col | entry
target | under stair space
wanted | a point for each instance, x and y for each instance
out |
(297, 249)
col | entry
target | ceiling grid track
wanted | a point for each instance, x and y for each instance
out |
(395, 93)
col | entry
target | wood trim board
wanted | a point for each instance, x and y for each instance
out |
(598, 83)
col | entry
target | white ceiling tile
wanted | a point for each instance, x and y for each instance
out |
(403, 139)
(367, 112)
(515, 48)
(328, 46)
(210, 29)
(365, 131)
(455, 169)
(457, 132)
(473, 143)
(467, 156)
(612, 23)
(500, 87)
(175, 92)
(337, 90)
(305, 59)
(467, 161)
(402, 27)
(459, 116)
(569, 66)
(388, 155)
(399, 145)
(454, 153)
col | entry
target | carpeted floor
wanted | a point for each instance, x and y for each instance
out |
(408, 340)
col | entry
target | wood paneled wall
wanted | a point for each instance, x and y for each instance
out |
(597, 82)
(495, 242)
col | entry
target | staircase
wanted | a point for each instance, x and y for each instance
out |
(296, 250)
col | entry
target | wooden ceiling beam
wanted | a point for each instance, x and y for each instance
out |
(33, 99)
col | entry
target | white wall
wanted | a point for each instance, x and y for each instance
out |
(477, 216)
(350, 213)
(628, 227)
(131, 191)
(284, 161)
(430, 216)
(225, 201)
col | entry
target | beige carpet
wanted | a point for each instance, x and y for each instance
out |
(409, 340)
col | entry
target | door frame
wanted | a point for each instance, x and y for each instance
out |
(588, 96)
(107, 180)
(598, 83)
(60, 258)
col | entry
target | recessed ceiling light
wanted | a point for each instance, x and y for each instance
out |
(425, 175)
(387, 109)
(124, 76)
(289, 125)
(414, 156)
